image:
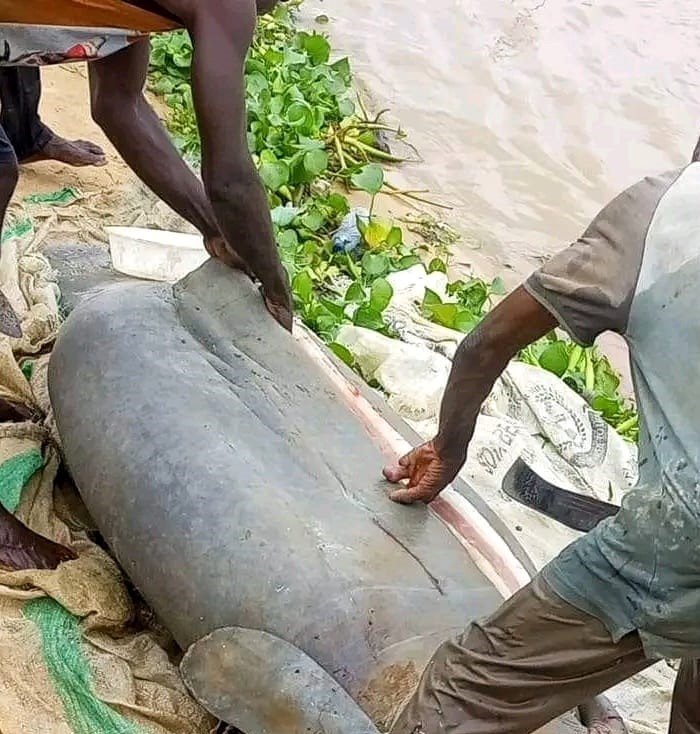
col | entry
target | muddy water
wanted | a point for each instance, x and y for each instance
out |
(529, 114)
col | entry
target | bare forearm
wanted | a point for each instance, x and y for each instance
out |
(243, 215)
(481, 358)
(231, 181)
(476, 367)
(146, 147)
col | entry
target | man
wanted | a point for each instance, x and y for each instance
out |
(31, 139)
(628, 593)
(230, 209)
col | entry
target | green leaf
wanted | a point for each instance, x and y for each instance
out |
(375, 234)
(274, 174)
(342, 353)
(444, 314)
(255, 84)
(337, 310)
(375, 266)
(326, 325)
(318, 48)
(555, 358)
(498, 287)
(287, 239)
(465, 321)
(407, 261)
(473, 294)
(608, 407)
(368, 318)
(346, 108)
(437, 266)
(355, 293)
(310, 144)
(303, 286)
(369, 178)
(283, 216)
(431, 298)
(183, 59)
(293, 58)
(607, 381)
(380, 294)
(362, 224)
(315, 162)
(268, 156)
(300, 115)
(395, 237)
(342, 66)
(338, 203)
(313, 220)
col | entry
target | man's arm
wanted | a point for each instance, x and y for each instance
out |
(234, 204)
(480, 359)
(121, 110)
(221, 34)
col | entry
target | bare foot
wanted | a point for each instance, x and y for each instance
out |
(76, 153)
(22, 549)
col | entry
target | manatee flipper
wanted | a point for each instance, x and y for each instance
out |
(263, 685)
(9, 320)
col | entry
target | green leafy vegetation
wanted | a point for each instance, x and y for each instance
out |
(313, 143)
(591, 375)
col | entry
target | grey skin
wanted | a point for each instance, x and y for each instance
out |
(237, 490)
(241, 496)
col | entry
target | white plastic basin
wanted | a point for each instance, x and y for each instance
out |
(155, 254)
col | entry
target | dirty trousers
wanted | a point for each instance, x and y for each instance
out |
(533, 660)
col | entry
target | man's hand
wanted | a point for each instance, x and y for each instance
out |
(217, 247)
(281, 308)
(279, 305)
(426, 471)
(481, 357)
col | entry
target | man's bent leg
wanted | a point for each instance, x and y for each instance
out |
(20, 547)
(120, 109)
(685, 712)
(20, 93)
(536, 658)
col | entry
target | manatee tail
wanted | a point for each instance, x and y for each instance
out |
(264, 685)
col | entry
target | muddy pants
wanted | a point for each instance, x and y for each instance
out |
(536, 658)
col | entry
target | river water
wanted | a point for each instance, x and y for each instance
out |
(528, 114)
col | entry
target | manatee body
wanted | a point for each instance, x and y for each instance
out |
(236, 489)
